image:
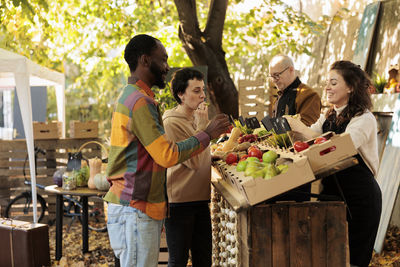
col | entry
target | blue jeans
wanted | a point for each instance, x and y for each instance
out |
(134, 236)
(189, 228)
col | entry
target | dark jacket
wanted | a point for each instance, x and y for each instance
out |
(298, 98)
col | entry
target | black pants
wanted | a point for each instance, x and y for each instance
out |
(189, 228)
(364, 201)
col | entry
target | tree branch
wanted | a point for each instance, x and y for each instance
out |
(215, 23)
(189, 24)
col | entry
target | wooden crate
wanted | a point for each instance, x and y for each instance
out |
(88, 129)
(309, 234)
(49, 130)
(13, 155)
(252, 102)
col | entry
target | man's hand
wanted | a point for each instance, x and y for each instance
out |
(218, 125)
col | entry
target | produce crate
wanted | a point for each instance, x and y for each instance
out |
(88, 129)
(256, 190)
(49, 130)
(337, 148)
(309, 234)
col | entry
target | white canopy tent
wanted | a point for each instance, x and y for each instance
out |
(20, 72)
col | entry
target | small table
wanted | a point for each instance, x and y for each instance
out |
(84, 193)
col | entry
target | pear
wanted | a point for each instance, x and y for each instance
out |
(270, 171)
(270, 156)
(259, 173)
(282, 168)
(250, 170)
(241, 166)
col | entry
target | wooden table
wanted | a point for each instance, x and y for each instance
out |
(84, 193)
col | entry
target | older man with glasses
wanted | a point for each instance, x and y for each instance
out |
(294, 97)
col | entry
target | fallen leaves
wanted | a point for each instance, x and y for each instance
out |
(390, 256)
(100, 255)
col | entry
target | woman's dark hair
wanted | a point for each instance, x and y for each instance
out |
(359, 83)
(141, 44)
(180, 81)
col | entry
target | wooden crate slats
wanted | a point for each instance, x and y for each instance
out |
(12, 159)
(260, 226)
(318, 235)
(336, 225)
(280, 235)
(252, 98)
(300, 236)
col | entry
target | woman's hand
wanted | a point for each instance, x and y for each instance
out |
(299, 129)
(201, 116)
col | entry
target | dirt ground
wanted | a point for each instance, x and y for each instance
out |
(102, 255)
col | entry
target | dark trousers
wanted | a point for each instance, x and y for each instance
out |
(189, 228)
(364, 201)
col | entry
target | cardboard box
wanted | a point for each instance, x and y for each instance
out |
(337, 148)
(256, 190)
(49, 130)
(24, 244)
(88, 129)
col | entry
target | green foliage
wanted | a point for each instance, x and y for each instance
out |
(379, 82)
(85, 40)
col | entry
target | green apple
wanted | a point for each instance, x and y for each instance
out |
(269, 156)
(241, 166)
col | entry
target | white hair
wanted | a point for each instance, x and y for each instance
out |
(282, 59)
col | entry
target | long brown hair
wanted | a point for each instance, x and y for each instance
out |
(359, 83)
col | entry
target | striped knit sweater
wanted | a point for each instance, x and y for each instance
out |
(140, 152)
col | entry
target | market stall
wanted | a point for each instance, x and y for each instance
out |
(249, 230)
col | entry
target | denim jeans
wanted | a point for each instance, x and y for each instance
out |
(134, 236)
(189, 228)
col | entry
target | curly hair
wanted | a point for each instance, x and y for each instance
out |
(141, 44)
(359, 83)
(180, 81)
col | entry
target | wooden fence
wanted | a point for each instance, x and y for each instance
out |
(13, 162)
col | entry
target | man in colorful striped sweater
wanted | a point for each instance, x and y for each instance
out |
(139, 155)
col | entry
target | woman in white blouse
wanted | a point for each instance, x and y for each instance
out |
(347, 90)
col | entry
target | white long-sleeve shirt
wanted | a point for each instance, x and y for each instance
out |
(363, 132)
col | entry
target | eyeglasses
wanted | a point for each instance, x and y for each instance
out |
(277, 75)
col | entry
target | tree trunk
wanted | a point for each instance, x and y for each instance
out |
(205, 48)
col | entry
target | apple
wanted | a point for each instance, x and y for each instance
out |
(255, 152)
(300, 146)
(231, 158)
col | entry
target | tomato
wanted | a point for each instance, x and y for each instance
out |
(320, 140)
(300, 146)
(256, 152)
(231, 158)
